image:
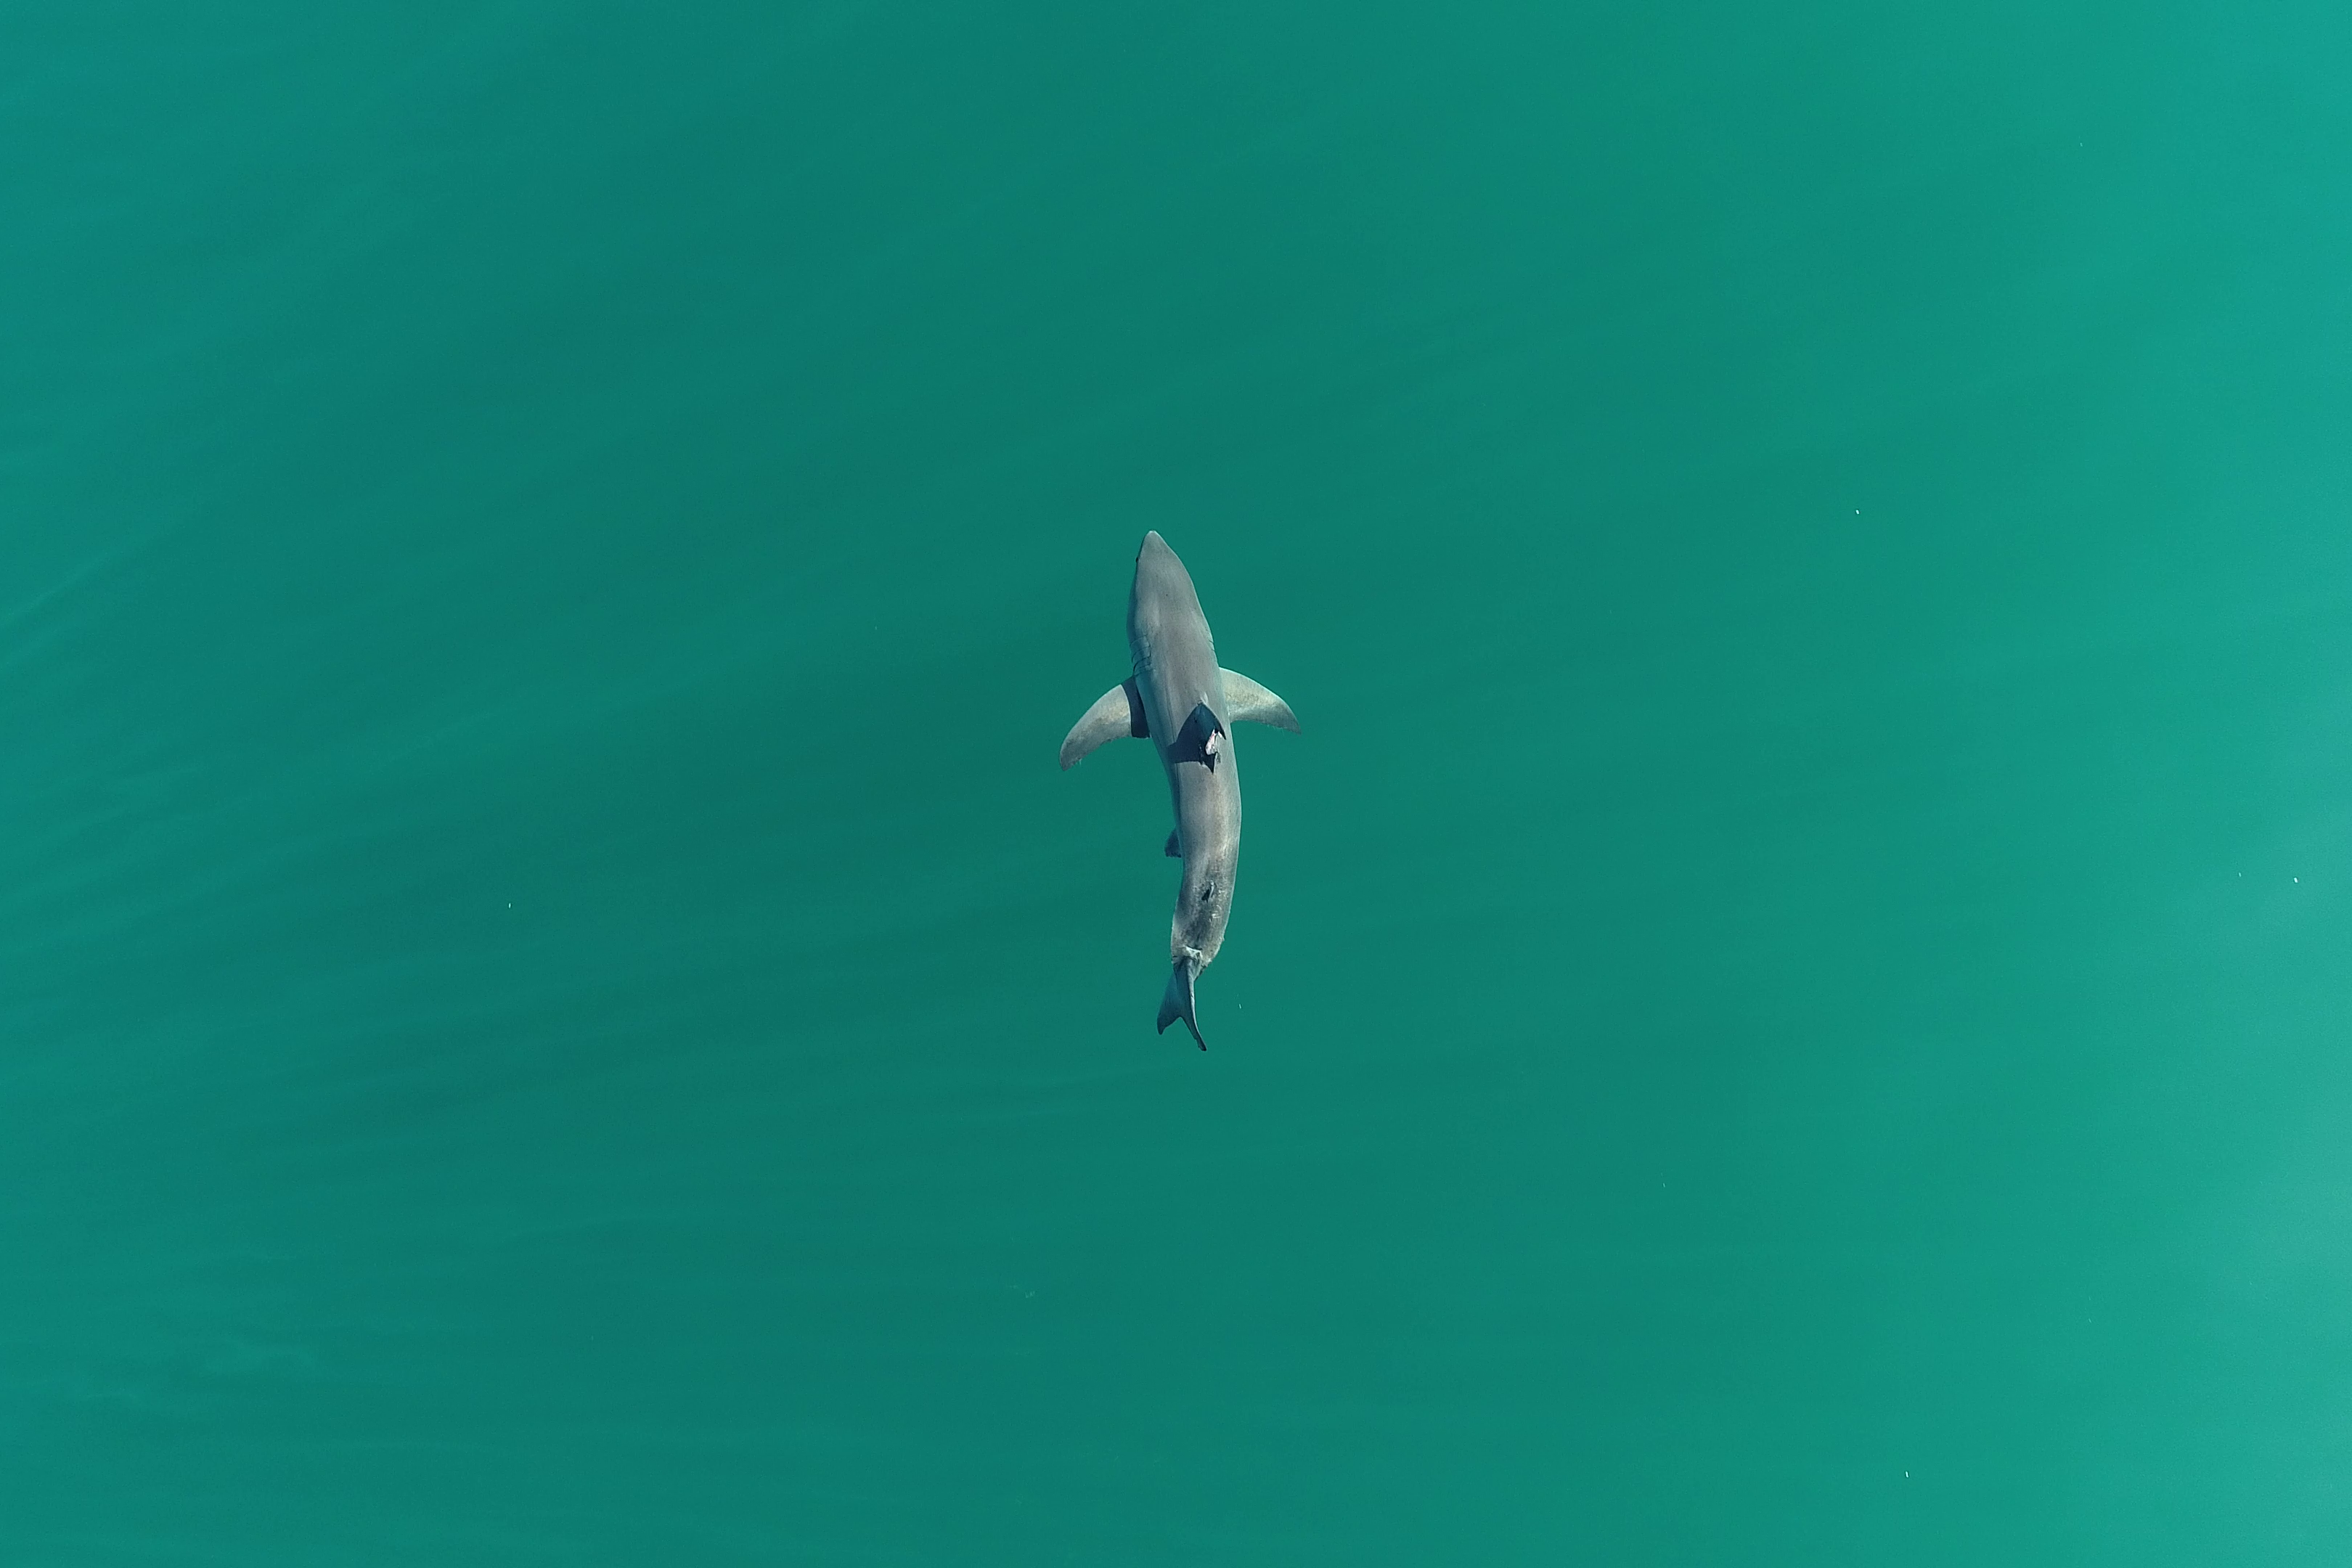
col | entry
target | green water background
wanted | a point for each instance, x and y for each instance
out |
(1789, 1007)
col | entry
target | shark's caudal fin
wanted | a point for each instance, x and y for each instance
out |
(1177, 1002)
(1246, 699)
(1115, 715)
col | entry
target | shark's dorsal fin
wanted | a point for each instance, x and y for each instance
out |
(1246, 699)
(1200, 740)
(1117, 714)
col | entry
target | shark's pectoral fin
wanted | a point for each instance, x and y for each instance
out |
(1117, 715)
(1246, 699)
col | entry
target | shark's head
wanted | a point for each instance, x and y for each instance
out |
(1163, 589)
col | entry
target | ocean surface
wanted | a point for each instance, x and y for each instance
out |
(1791, 1004)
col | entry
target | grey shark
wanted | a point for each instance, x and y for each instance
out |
(1182, 703)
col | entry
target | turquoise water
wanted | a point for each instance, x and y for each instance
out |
(1789, 1006)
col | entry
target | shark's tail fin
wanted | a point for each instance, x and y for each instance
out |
(1177, 1002)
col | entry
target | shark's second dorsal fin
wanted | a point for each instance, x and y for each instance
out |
(1115, 715)
(1246, 699)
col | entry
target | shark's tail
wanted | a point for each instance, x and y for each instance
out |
(1177, 1002)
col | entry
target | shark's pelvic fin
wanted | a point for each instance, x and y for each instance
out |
(1246, 699)
(1171, 851)
(1115, 715)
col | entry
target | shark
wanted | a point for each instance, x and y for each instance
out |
(1179, 698)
